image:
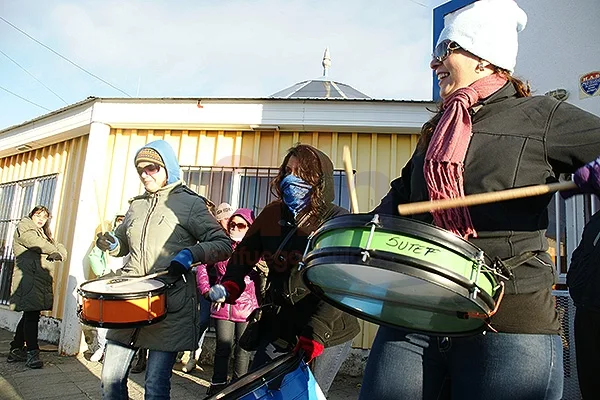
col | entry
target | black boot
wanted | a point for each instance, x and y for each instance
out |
(33, 359)
(139, 364)
(17, 354)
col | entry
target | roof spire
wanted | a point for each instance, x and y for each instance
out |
(326, 62)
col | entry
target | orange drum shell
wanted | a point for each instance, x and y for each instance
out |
(126, 312)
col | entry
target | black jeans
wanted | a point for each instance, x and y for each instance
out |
(587, 348)
(27, 331)
(228, 335)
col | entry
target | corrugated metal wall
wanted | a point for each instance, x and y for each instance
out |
(64, 159)
(377, 159)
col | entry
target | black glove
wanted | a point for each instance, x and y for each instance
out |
(54, 256)
(181, 263)
(106, 241)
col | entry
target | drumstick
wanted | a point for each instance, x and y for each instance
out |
(350, 179)
(100, 213)
(142, 278)
(483, 198)
(137, 279)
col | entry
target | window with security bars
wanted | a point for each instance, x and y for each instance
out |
(247, 187)
(17, 199)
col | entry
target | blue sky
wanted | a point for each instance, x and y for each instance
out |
(208, 48)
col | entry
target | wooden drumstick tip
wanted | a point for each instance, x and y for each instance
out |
(347, 158)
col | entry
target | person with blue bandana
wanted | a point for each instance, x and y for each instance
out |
(168, 227)
(293, 319)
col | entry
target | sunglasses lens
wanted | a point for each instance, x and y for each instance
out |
(240, 226)
(442, 50)
(150, 169)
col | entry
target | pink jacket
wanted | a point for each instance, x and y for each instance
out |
(242, 308)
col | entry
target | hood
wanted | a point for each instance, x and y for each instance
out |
(168, 155)
(327, 170)
(245, 213)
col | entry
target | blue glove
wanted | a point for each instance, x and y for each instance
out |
(181, 263)
(218, 293)
(107, 241)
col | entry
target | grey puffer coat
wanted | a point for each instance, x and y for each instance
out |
(33, 275)
(156, 227)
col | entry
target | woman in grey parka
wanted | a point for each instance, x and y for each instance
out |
(35, 255)
(168, 227)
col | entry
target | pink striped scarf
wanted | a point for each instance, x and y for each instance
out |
(445, 157)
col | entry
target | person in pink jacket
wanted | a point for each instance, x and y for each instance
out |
(230, 319)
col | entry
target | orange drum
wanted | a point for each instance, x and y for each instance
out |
(124, 306)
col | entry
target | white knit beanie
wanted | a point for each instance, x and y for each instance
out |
(488, 29)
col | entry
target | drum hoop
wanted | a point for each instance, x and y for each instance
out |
(393, 259)
(425, 271)
(418, 230)
(279, 366)
(89, 294)
(121, 325)
(323, 296)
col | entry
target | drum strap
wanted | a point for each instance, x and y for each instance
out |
(507, 265)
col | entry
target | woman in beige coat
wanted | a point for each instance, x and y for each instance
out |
(36, 254)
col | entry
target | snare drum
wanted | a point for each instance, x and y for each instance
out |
(286, 377)
(402, 273)
(128, 306)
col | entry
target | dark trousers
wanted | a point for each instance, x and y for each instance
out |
(27, 331)
(587, 348)
(228, 336)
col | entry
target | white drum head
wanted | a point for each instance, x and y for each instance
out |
(102, 286)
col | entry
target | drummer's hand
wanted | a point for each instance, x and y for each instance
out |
(311, 348)
(217, 293)
(227, 291)
(106, 241)
(181, 263)
(587, 179)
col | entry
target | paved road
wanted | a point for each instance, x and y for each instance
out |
(74, 378)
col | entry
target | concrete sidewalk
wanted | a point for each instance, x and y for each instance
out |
(74, 378)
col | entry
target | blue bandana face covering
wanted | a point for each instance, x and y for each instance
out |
(296, 193)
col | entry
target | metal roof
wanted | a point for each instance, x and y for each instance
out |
(320, 88)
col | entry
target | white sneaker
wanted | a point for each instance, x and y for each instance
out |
(190, 365)
(97, 356)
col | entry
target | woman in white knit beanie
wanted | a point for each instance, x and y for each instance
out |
(490, 134)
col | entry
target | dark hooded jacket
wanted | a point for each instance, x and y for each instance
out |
(156, 227)
(516, 142)
(298, 311)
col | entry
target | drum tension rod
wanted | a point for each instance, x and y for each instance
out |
(480, 258)
(374, 224)
(101, 322)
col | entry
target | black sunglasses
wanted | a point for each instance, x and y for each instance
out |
(149, 169)
(444, 49)
(239, 225)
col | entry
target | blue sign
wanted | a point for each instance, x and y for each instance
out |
(590, 83)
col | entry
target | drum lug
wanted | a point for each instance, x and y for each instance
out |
(374, 223)
(480, 260)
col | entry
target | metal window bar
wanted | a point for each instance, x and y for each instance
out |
(16, 201)
(254, 191)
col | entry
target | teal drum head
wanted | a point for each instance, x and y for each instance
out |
(434, 288)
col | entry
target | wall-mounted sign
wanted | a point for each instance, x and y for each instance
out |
(589, 84)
